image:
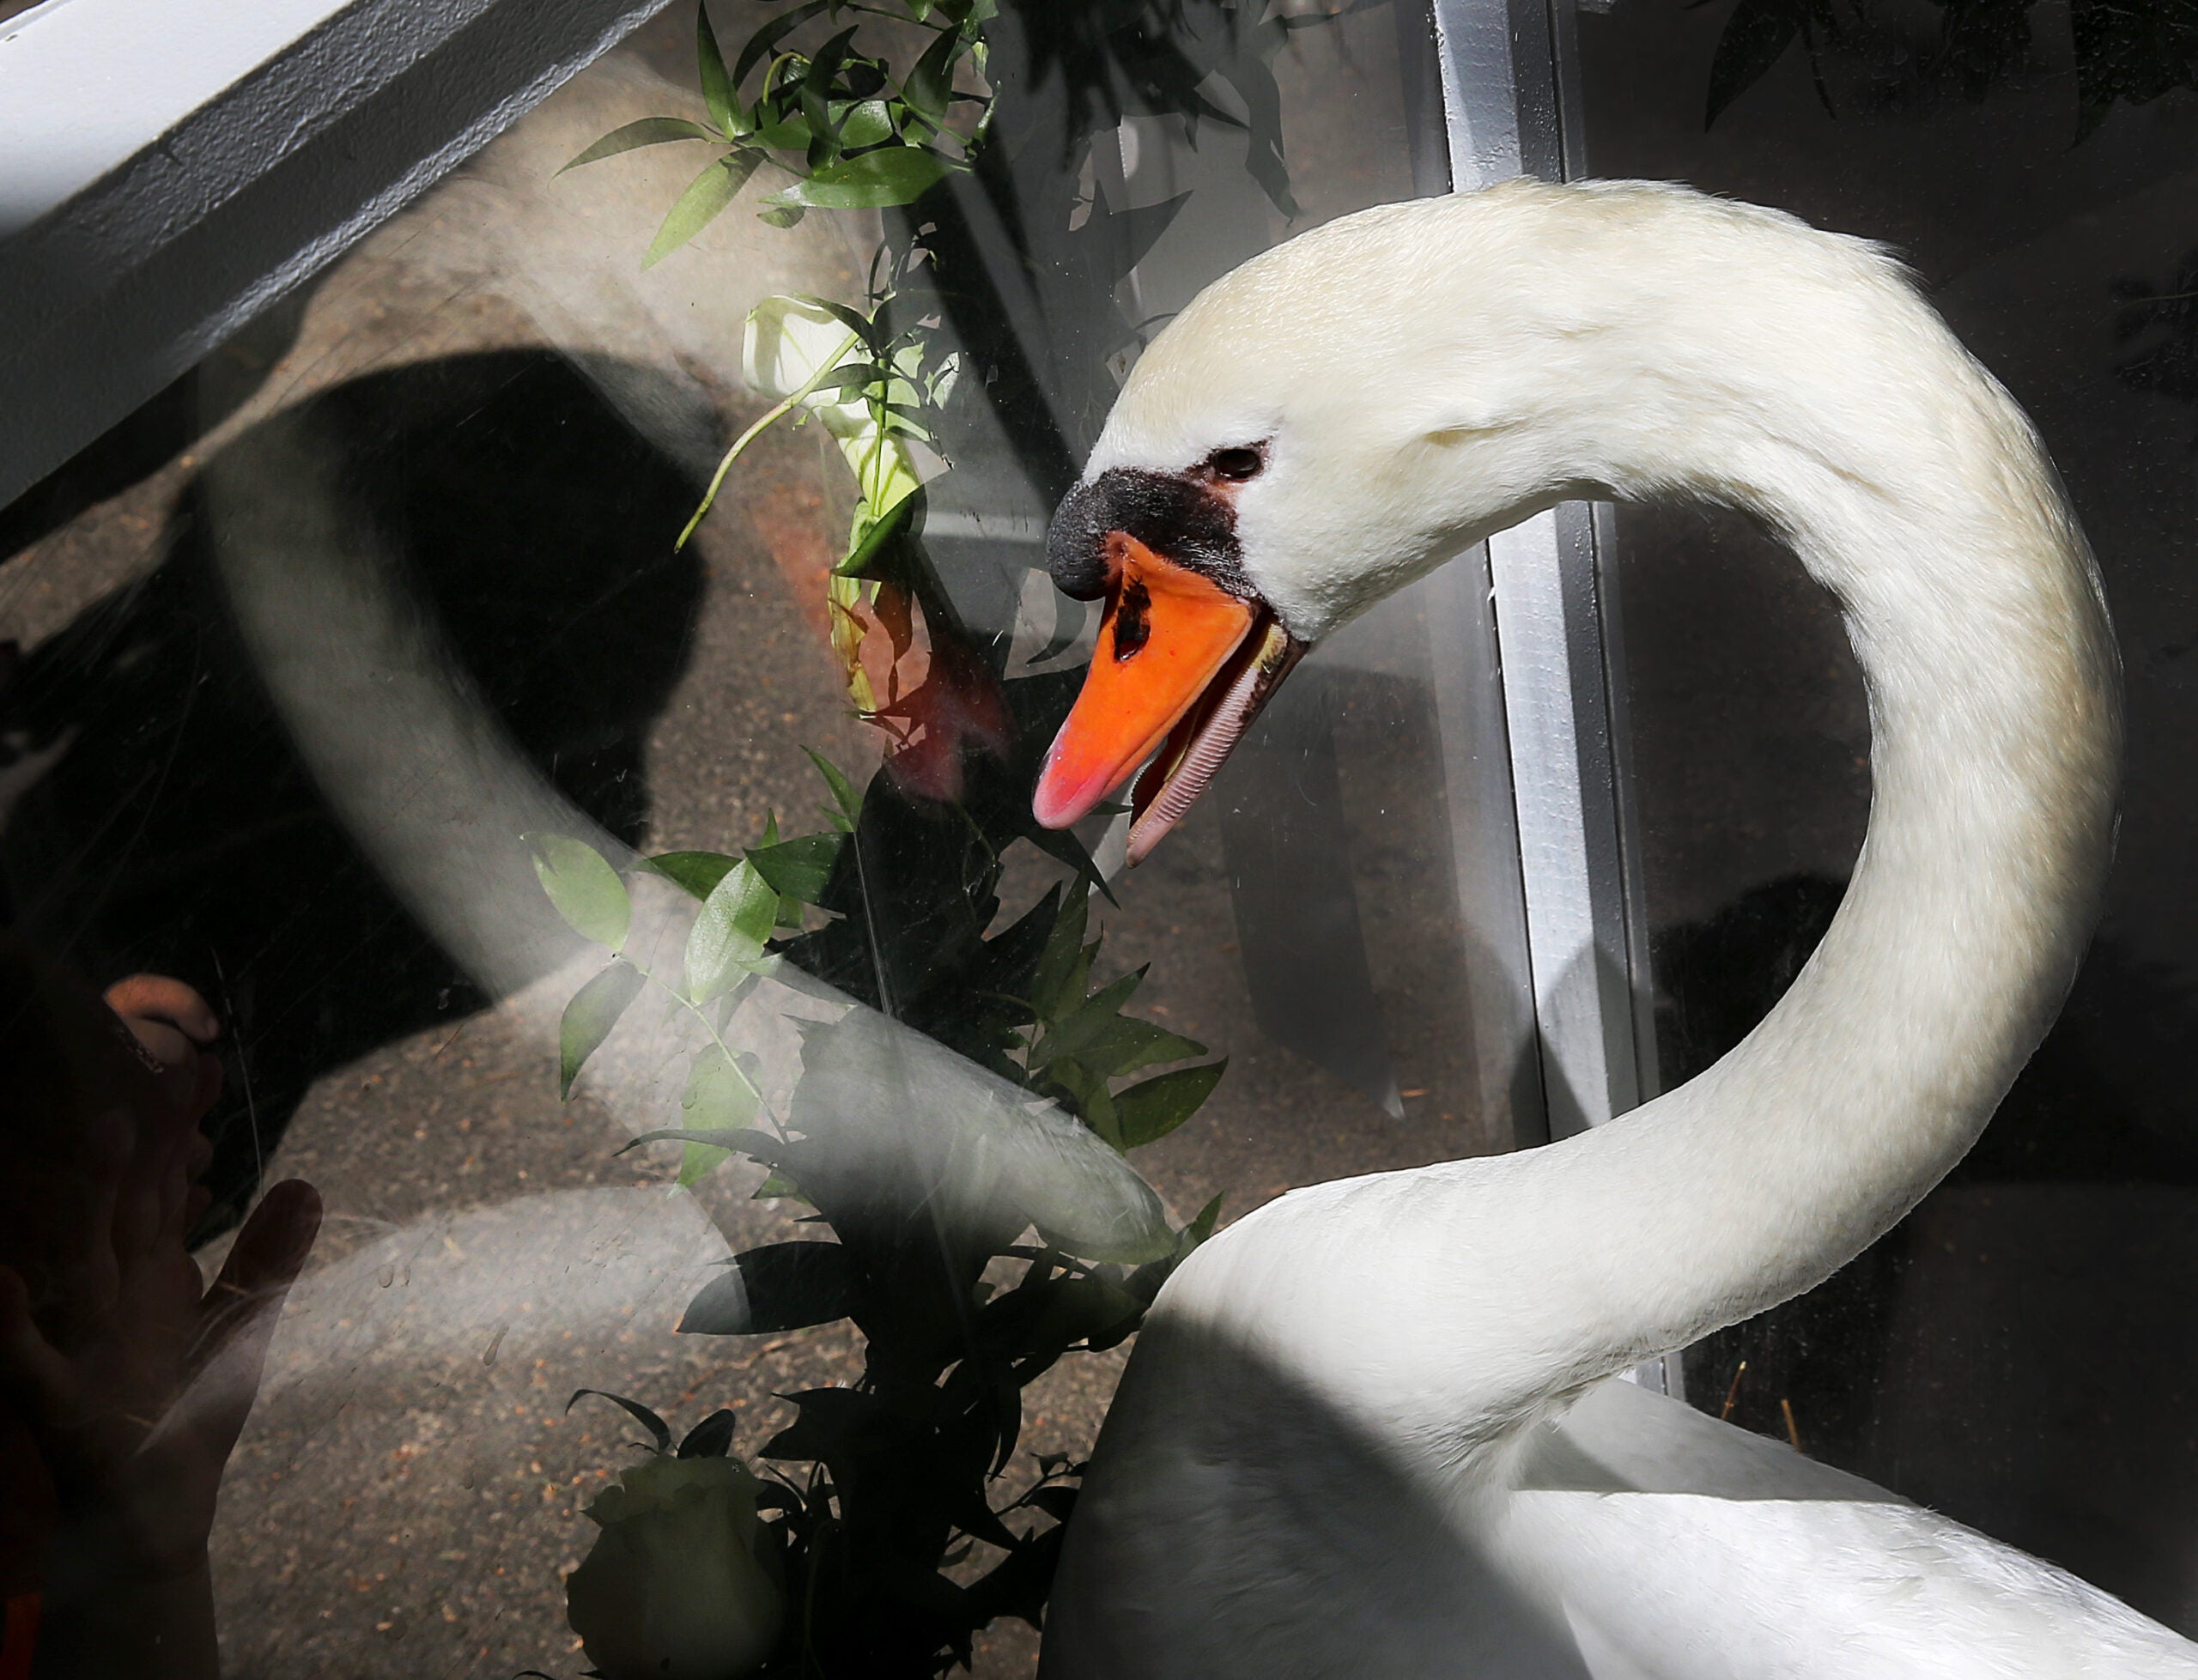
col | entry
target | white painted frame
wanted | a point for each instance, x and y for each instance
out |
(169, 167)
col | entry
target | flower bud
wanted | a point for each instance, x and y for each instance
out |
(684, 1583)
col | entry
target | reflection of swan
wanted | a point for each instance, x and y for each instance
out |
(429, 785)
(1365, 1430)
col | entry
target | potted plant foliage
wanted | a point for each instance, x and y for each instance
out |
(956, 119)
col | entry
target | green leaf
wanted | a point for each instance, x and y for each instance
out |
(1755, 38)
(1096, 1103)
(930, 86)
(711, 1437)
(1062, 844)
(718, 1099)
(867, 123)
(1059, 984)
(1150, 1111)
(590, 1017)
(656, 1426)
(649, 132)
(843, 791)
(817, 90)
(743, 1140)
(765, 41)
(717, 85)
(1124, 1044)
(896, 523)
(833, 1423)
(790, 133)
(1083, 1309)
(780, 218)
(702, 203)
(781, 1286)
(892, 175)
(1202, 1227)
(727, 938)
(1085, 1023)
(869, 330)
(695, 872)
(586, 889)
(799, 868)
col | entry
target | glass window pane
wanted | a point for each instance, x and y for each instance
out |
(2010, 1354)
(345, 679)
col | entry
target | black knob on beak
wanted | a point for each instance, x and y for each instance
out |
(1076, 543)
(1174, 515)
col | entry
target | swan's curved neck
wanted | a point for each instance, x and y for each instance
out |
(1909, 485)
(1821, 396)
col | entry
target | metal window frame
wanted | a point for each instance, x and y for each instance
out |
(167, 170)
(1506, 72)
(1511, 106)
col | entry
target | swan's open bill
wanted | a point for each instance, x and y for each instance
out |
(1183, 664)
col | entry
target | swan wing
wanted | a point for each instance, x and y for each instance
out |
(1678, 1547)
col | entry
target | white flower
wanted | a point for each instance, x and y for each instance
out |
(789, 342)
(683, 1584)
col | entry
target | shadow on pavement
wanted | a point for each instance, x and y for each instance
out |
(178, 831)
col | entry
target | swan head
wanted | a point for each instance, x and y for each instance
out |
(1318, 429)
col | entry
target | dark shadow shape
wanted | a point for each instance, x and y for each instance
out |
(180, 833)
(1272, 1536)
(157, 431)
(1291, 886)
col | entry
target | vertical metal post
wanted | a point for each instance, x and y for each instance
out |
(1501, 82)
(1505, 67)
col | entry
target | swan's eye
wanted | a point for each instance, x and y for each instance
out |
(1236, 464)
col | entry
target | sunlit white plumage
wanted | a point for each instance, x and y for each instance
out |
(1368, 1429)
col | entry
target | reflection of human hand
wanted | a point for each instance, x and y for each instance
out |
(125, 1384)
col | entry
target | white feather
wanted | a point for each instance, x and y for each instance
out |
(1353, 1438)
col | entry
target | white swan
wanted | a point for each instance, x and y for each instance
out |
(1366, 1430)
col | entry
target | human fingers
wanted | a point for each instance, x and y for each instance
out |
(154, 1191)
(160, 997)
(273, 1247)
(36, 1379)
(83, 1273)
(241, 1311)
(264, 1262)
(177, 1064)
(171, 1020)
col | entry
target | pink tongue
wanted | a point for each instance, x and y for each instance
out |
(1216, 739)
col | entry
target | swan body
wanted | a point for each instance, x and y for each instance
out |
(1372, 1427)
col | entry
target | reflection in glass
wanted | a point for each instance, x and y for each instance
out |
(309, 648)
(2009, 1355)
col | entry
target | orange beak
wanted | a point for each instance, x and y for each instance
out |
(1167, 634)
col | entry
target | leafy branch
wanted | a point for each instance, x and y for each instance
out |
(865, 140)
(900, 1464)
(995, 284)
